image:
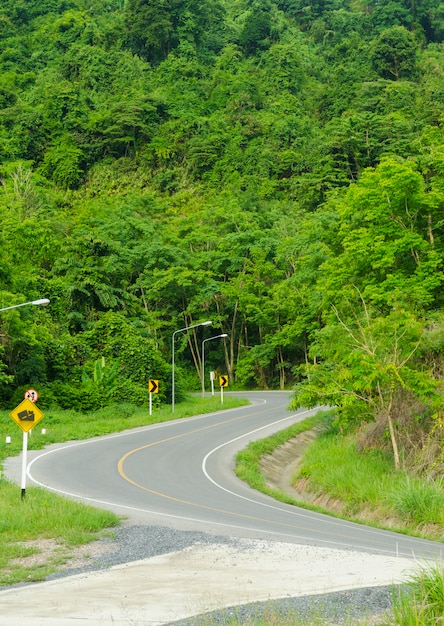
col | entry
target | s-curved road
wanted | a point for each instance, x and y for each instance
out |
(180, 474)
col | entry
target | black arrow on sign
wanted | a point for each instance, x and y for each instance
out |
(153, 386)
(223, 381)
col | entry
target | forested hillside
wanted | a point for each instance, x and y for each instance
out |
(275, 166)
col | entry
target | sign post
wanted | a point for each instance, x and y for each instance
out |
(26, 415)
(223, 382)
(153, 387)
(32, 395)
(212, 379)
(24, 463)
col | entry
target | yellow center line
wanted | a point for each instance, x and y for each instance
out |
(179, 500)
(156, 443)
(300, 527)
(194, 504)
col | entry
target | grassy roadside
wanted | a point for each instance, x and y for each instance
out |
(40, 534)
(362, 487)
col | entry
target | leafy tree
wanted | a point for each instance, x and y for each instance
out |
(93, 272)
(24, 335)
(392, 13)
(103, 380)
(394, 54)
(121, 125)
(362, 363)
(309, 10)
(388, 247)
(155, 29)
(256, 32)
(63, 163)
(154, 172)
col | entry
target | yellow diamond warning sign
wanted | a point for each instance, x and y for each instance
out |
(26, 415)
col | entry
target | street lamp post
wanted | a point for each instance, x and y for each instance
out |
(181, 330)
(203, 359)
(41, 302)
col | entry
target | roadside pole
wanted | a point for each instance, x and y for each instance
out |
(24, 463)
(26, 415)
(223, 382)
(153, 387)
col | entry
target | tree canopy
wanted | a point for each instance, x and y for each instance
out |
(275, 166)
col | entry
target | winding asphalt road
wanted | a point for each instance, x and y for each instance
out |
(180, 474)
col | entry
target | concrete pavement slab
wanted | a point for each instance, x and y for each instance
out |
(196, 580)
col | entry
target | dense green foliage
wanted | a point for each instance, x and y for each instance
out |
(276, 166)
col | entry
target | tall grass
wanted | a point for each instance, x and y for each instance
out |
(333, 465)
(421, 603)
(421, 502)
(369, 482)
(43, 515)
(364, 486)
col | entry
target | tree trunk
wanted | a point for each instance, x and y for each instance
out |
(393, 440)
(281, 369)
(387, 410)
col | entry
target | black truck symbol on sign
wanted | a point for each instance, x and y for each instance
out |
(26, 416)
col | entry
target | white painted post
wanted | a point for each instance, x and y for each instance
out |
(24, 462)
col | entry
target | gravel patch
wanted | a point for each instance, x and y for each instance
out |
(346, 607)
(133, 543)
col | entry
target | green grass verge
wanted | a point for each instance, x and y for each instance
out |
(362, 487)
(27, 525)
(369, 488)
(247, 465)
(421, 602)
(63, 425)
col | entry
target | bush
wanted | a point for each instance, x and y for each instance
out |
(419, 501)
(423, 600)
(77, 397)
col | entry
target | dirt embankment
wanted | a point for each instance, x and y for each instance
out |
(279, 468)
